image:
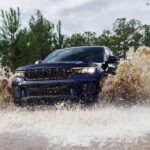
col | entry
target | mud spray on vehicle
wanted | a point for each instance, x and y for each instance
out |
(119, 121)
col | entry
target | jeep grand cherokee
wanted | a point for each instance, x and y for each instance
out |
(71, 73)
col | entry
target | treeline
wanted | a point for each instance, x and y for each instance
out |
(21, 46)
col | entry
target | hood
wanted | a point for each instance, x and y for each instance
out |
(57, 65)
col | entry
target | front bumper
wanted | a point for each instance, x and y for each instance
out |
(53, 89)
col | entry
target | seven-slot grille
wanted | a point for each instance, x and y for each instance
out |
(48, 74)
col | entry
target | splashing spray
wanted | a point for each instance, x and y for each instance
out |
(5, 86)
(131, 84)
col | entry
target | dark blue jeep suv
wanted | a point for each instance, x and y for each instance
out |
(66, 74)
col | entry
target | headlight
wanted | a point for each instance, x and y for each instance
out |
(19, 73)
(89, 70)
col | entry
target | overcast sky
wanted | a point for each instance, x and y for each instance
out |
(82, 15)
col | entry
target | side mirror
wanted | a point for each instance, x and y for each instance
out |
(38, 62)
(121, 56)
(112, 59)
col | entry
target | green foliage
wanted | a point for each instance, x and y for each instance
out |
(40, 37)
(59, 39)
(9, 36)
(146, 35)
(22, 46)
(78, 39)
(127, 34)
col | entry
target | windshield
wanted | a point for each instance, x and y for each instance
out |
(84, 54)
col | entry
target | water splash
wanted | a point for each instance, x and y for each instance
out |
(5, 87)
(96, 128)
(131, 84)
(65, 129)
